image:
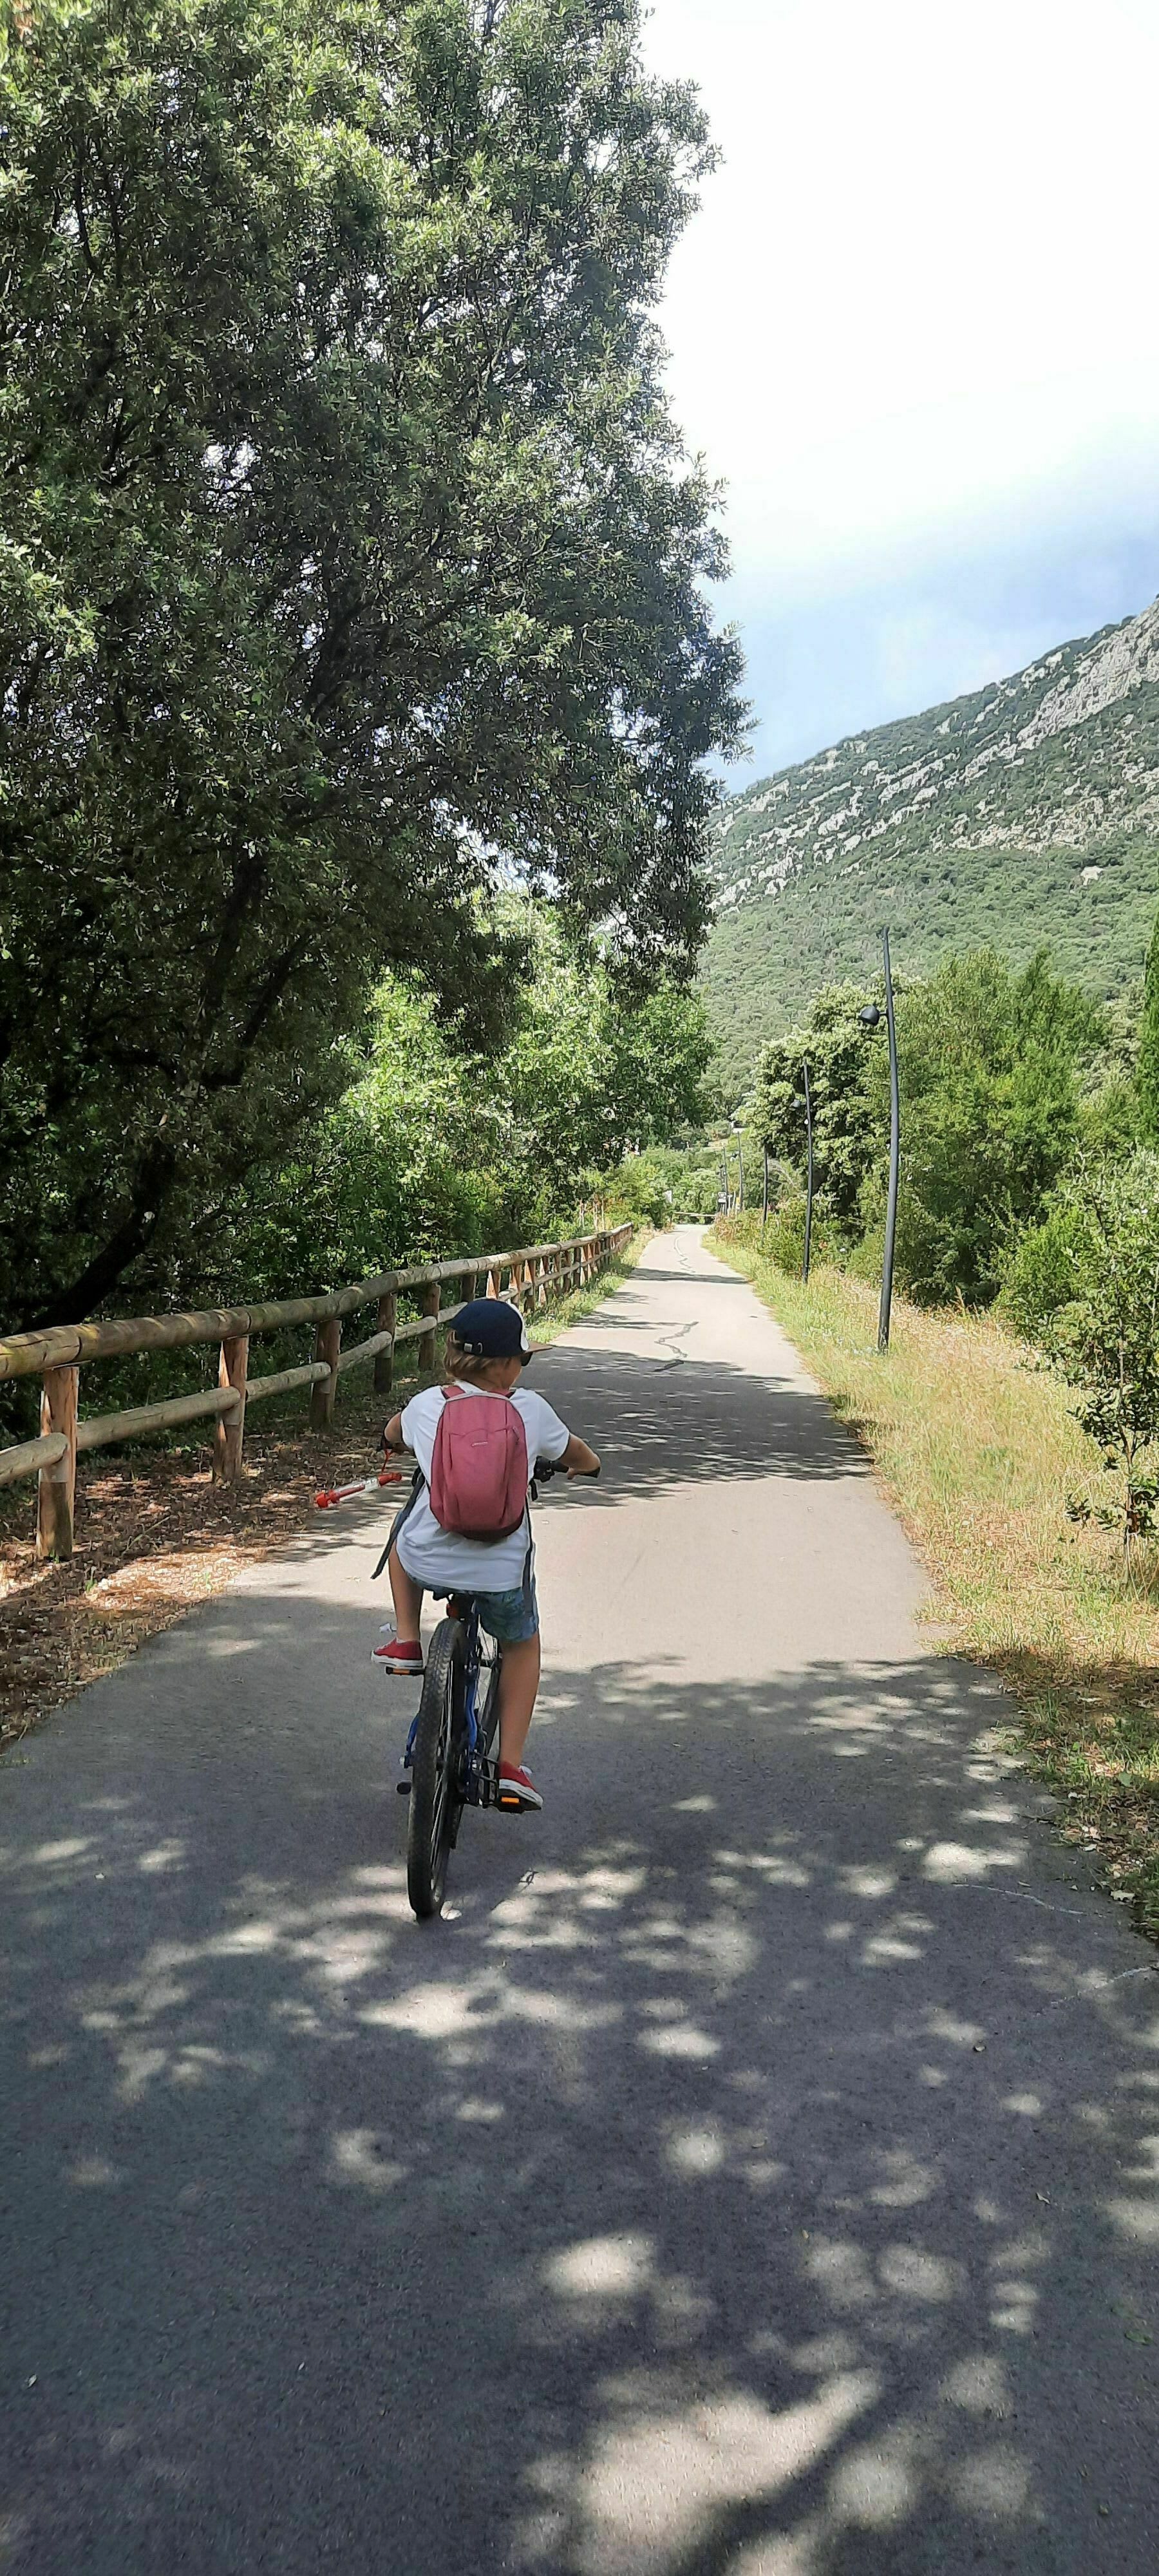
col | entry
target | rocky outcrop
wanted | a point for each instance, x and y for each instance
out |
(1058, 752)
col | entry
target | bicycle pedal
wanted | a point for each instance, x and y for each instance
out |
(480, 1784)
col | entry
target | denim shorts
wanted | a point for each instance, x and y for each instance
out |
(510, 1617)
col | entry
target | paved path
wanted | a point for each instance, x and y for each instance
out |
(758, 2175)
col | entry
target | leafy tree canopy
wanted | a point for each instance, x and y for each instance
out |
(430, 1150)
(1147, 1075)
(345, 542)
(990, 1066)
(1105, 1336)
(995, 1099)
(847, 1131)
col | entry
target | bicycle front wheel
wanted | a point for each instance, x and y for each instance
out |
(436, 1769)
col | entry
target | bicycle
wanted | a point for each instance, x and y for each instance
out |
(449, 1750)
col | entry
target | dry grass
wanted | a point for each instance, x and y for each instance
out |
(979, 1452)
(154, 1534)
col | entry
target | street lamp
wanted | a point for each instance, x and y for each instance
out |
(871, 1019)
(807, 1105)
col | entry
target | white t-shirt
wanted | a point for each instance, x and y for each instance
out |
(442, 1559)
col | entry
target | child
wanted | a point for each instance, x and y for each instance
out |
(487, 1348)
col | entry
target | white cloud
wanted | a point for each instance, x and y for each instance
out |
(912, 321)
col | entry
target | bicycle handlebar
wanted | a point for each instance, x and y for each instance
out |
(541, 1474)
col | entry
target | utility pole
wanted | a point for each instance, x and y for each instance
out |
(765, 1197)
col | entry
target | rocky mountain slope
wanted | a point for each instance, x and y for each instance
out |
(1025, 814)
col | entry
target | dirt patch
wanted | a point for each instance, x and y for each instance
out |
(154, 1534)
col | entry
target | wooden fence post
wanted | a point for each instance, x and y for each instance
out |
(56, 1486)
(229, 1430)
(491, 1290)
(429, 1306)
(541, 1282)
(327, 1344)
(384, 1360)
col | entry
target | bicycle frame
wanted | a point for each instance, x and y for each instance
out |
(479, 1785)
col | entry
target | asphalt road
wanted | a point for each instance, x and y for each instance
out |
(756, 2174)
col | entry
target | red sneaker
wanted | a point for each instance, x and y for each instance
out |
(517, 1788)
(399, 1656)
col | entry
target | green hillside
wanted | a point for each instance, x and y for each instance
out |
(1025, 814)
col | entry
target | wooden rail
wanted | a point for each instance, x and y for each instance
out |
(57, 1354)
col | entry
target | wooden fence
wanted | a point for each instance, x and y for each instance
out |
(58, 1353)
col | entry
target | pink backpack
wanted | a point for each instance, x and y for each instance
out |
(480, 1470)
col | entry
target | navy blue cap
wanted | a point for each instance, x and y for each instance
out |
(490, 1329)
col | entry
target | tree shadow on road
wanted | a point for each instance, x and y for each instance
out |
(709, 2195)
(660, 1423)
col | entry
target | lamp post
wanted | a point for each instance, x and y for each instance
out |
(738, 1132)
(870, 1019)
(806, 1103)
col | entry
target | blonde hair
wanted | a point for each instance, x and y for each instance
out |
(464, 1363)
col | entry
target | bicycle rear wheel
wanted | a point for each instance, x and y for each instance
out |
(436, 1772)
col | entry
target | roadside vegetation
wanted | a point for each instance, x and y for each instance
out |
(1015, 1417)
(363, 704)
(361, 694)
(979, 1448)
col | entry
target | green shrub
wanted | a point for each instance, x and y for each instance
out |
(1045, 1271)
(990, 1117)
(1105, 1339)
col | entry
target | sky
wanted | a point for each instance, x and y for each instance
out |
(912, 330)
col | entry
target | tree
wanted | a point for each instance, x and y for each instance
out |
(593, 1069)
(1106, 1337)
(1147, 1071)
(345, 544)
(431, 1151)
(990, 1065)
(847, 1123)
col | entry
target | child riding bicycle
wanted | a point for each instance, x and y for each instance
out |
(431, 1550)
